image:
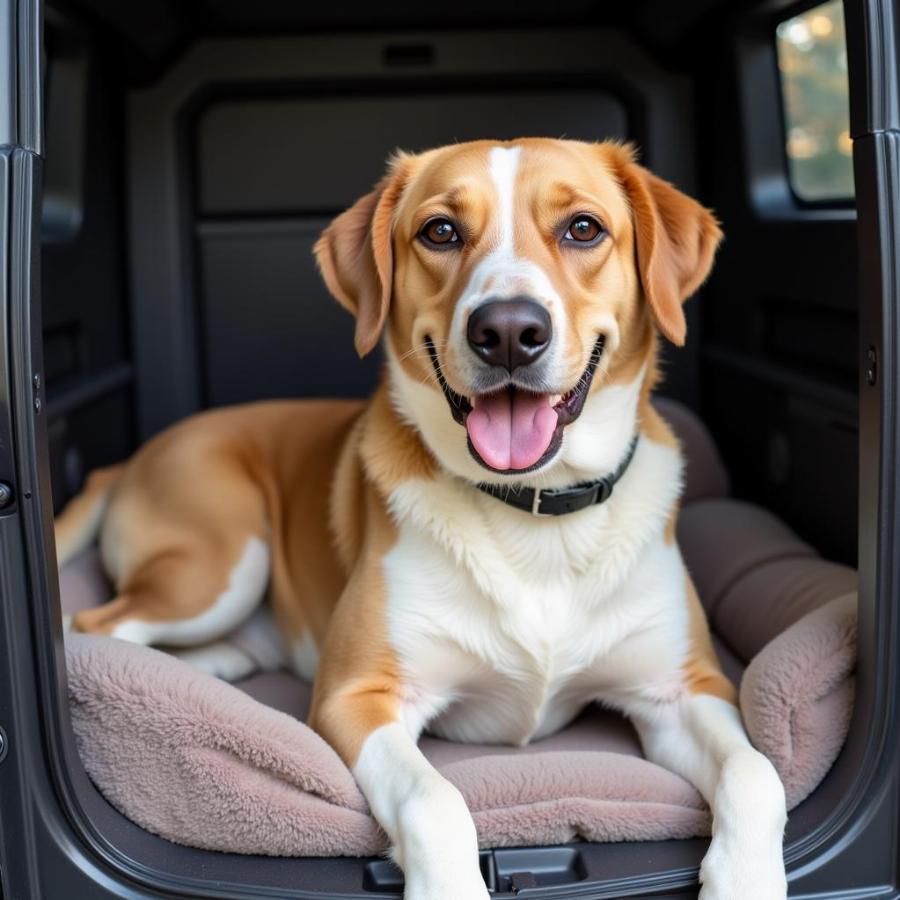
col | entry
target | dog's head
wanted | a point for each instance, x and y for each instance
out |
(515, 281)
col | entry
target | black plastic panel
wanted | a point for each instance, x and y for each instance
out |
(322, 152)
(269, 327)
(87, 374)
(517, 870)
(798, 452)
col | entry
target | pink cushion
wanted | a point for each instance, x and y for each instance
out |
(83, 584)
(744, 536)
(704, 471)
(205, 764)
(200, 762)
(797, 695)
(770, 598)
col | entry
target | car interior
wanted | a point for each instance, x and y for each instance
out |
(191, 154)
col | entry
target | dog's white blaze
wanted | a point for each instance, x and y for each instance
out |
(501, 273)
(246, 586)
(425, 817)
(504, 163)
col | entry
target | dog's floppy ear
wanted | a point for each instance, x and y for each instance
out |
(356, 259)
(675, 241)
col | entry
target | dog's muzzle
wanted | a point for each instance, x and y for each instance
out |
(512, 430)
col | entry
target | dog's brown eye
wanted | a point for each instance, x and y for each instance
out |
(439, 233)
(584, 230)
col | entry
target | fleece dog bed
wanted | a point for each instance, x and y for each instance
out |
(234, 768)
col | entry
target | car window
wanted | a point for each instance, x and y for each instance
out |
(812, 59)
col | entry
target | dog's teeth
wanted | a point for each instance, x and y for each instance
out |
(555, 398)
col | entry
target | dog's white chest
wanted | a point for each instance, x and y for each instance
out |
(480, 673)
(510, 643)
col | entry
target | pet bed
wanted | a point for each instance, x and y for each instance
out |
(233, 767)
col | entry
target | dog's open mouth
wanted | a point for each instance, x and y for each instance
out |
(513, 431)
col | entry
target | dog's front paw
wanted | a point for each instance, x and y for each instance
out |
(733, 871)
(745, 860)
(447, 885)
(438, 851)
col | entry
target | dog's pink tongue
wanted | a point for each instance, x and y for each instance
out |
(512, 429)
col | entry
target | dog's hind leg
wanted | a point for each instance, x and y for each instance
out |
(185, 595)
(185, 541)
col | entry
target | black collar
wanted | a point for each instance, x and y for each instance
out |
(561, 501)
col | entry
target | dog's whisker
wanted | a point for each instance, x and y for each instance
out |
(430, 380)
(423, 350)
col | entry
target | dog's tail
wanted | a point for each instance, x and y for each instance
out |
(78, 525)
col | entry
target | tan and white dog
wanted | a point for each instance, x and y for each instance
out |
(518, 288)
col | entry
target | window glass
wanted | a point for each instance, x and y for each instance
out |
(65, 108)
(812, 59)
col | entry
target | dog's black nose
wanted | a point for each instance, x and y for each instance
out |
(509, 333)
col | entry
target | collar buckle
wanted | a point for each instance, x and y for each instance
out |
(571, 499)
(536, 504)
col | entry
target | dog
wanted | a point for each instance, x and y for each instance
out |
(488, 544)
